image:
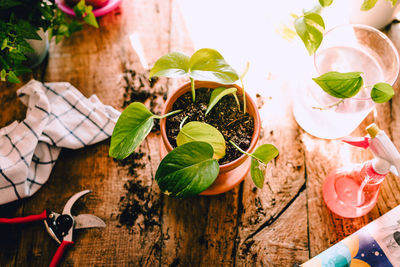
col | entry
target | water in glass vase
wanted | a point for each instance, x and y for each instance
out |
(328, 117)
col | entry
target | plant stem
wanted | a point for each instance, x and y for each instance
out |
(193, 89)
(330, 106)
(166, 115)
(244, 97)
(246, 69)
(182, 122)
(237, 100)
(238, 148)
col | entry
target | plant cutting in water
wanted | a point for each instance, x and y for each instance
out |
(346, 85)
(192, 166)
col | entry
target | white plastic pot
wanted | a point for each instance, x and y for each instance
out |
(41, 48)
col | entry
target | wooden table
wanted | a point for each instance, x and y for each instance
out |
(283, 224)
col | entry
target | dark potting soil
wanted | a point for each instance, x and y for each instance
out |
(225, 116)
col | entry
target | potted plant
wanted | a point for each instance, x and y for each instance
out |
(209, 127)
(23, 25)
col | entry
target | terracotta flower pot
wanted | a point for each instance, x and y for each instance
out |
(229, 174)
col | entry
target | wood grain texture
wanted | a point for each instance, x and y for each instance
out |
(283, 224)
(94, 61)
(285, 182)
(199, 231)
(283, 243)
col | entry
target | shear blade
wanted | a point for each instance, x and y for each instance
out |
(72, 200)
(88, 221)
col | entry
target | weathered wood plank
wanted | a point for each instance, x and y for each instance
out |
(285, 183)
(94, 61)
(198, 231)
(283, 243)
(11, 109)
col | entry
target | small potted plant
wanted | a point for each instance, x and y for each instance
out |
(23, 24)
(209, 127)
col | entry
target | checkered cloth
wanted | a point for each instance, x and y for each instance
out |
(58, 116)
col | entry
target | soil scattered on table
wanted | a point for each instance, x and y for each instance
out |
(133, 162)
(139, 205)
(245, 249)
(138, 88)
(225, 116)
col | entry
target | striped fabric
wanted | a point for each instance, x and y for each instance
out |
(58, 116)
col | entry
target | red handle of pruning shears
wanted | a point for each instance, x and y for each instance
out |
(32, 218)
(60, 252)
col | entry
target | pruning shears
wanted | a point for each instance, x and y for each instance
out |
(61, 226)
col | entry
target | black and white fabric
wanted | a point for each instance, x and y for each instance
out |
(58, 116)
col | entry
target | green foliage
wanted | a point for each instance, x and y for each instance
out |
(200, 131)
(310, 28)
(204, 65)
(173, 65)
(340, 85)
(208, 65)
(246, 69)
(346, 85)
(20, 20)
(217, 94)
(259, 160)
(382, 92)
(325, 3)
(187, 170)
(368, 4)
(131, 129)
(83, 11)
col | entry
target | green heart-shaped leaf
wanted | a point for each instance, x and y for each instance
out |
(382, 92)
(132, 127)
(257, 172)
(187, 170)
(265, 153)
(325, 3)
(200, 131)
(260, 158)
(11, 77)
(208, 65)
(171, 65)
(340, 85)
(368, 4)
(310, 28)
(217, 94)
